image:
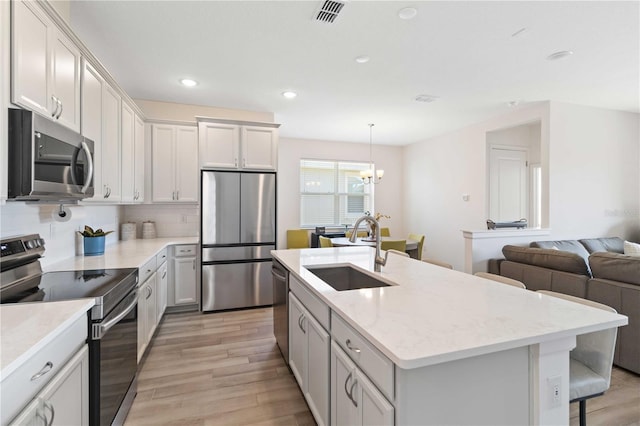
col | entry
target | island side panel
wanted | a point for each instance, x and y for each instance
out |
(484, 390)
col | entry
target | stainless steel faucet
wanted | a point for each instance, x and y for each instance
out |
(380, 261)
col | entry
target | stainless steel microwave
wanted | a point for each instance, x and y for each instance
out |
(47, 161)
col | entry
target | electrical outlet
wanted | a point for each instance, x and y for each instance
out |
(554, 387)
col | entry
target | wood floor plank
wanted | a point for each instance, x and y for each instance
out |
(224, 369)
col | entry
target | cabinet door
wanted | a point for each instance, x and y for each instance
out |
(162, 280)
(219, 145)
(127, 140)
(151, 303)
(344, 409)
(297, 342)
(187, 172)
(259, 148)
(138, 165)
(163, 163)
(142, 316)
(67, 395)
(184, 280)
(111, 143)
(374, 408)
(318, 370)
(92, 122)
(65, 80)
(30, 59)
(31, 415)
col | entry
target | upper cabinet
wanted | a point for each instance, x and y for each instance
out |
(174, 163)
(132, 144)
(45, 70)
(228, 144)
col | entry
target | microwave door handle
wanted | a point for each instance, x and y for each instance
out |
(90, 171)
(72, 168)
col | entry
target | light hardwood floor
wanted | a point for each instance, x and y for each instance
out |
(225, 369)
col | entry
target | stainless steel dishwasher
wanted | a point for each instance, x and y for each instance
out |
(281, 307)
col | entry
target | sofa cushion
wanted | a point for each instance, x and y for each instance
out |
(632, 249)
(615, 267)
(572, 246)
(612, 244)
(558, 260)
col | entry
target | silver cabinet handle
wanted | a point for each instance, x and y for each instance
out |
(150, 290)
(194, 264)
(351, 397)
(47, 367)
(244, 162)
(352, 348)
(235, 162)
(346, 385)
(57, 104)
(49, 405)
(164, 274)
(300, 320)
(177, 195)
(61, 109)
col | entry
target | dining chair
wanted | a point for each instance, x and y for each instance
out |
(420, 239)
(384, 232)
(325, 242)
(297, 238)
(400, 245)
(361, 234)
(501, 279)
(438, 263)
(590, 362)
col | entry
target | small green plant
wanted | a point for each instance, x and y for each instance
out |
(89, 232)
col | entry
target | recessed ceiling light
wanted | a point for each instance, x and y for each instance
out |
(289, 94)
(363, 59)
(188, 82)
(559, 55)
(426, 98)
(407, 13)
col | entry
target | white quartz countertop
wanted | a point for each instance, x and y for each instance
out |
(434, 315)
(124, 254)
(26, 328)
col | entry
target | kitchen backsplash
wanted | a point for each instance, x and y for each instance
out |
(170, 220)
(61, 239)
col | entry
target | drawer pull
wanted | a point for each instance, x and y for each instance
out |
(47, 367)
(352, 348)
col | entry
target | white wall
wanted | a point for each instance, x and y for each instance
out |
(389, 193)
(171, 220)
(61, 239)
(591, 180)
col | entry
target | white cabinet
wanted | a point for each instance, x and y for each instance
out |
(45, 66)
(146, 313)
(226, 145)
(101, 123)
(354, 399)
(162, 279)
(65, 399)
(132, 144)
(138, 162)
(174, 152)
(309, 358)
(183, 287)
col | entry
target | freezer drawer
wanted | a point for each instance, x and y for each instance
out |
(222, 254)
(236, 285)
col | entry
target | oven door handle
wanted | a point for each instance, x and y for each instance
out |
(99, 330)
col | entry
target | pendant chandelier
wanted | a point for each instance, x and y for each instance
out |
(371, 175)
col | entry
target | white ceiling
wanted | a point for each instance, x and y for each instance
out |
(245, 54)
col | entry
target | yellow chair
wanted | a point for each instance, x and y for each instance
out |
(384, 232)
(361, 234)
(420, 239)
(400, 245)
(297, 238)
(325, 242)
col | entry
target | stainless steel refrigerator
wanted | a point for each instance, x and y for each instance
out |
(238, 229)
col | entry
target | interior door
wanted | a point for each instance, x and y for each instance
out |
(258, 208)
(508, 181)
(220, 208)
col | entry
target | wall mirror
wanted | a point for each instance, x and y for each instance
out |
(514, 174)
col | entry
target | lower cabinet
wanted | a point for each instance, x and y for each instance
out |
(162, 281)
(309, 358)
(184, 288)
(146, 313)
(65, 399)
(354, 399)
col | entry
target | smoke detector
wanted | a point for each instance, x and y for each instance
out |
(328, 11)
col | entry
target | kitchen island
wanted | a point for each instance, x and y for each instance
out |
(460, 349)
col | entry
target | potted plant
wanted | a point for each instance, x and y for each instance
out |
(93, 240)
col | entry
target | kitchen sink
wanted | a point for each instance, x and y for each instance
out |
(345, 277)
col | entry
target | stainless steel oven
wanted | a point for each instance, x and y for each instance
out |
(47, 161)
(113, 320)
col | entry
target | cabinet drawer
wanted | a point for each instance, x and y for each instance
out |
(161, 257)
(38, 370)
(184, 250)
(315, 306)
(146, 270)
(378, 367)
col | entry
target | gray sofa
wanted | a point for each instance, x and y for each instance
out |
(594, 269)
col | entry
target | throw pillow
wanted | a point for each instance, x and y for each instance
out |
(632, 249)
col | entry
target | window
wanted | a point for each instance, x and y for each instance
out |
(332, 193)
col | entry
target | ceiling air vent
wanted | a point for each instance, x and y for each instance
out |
(329, 11)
